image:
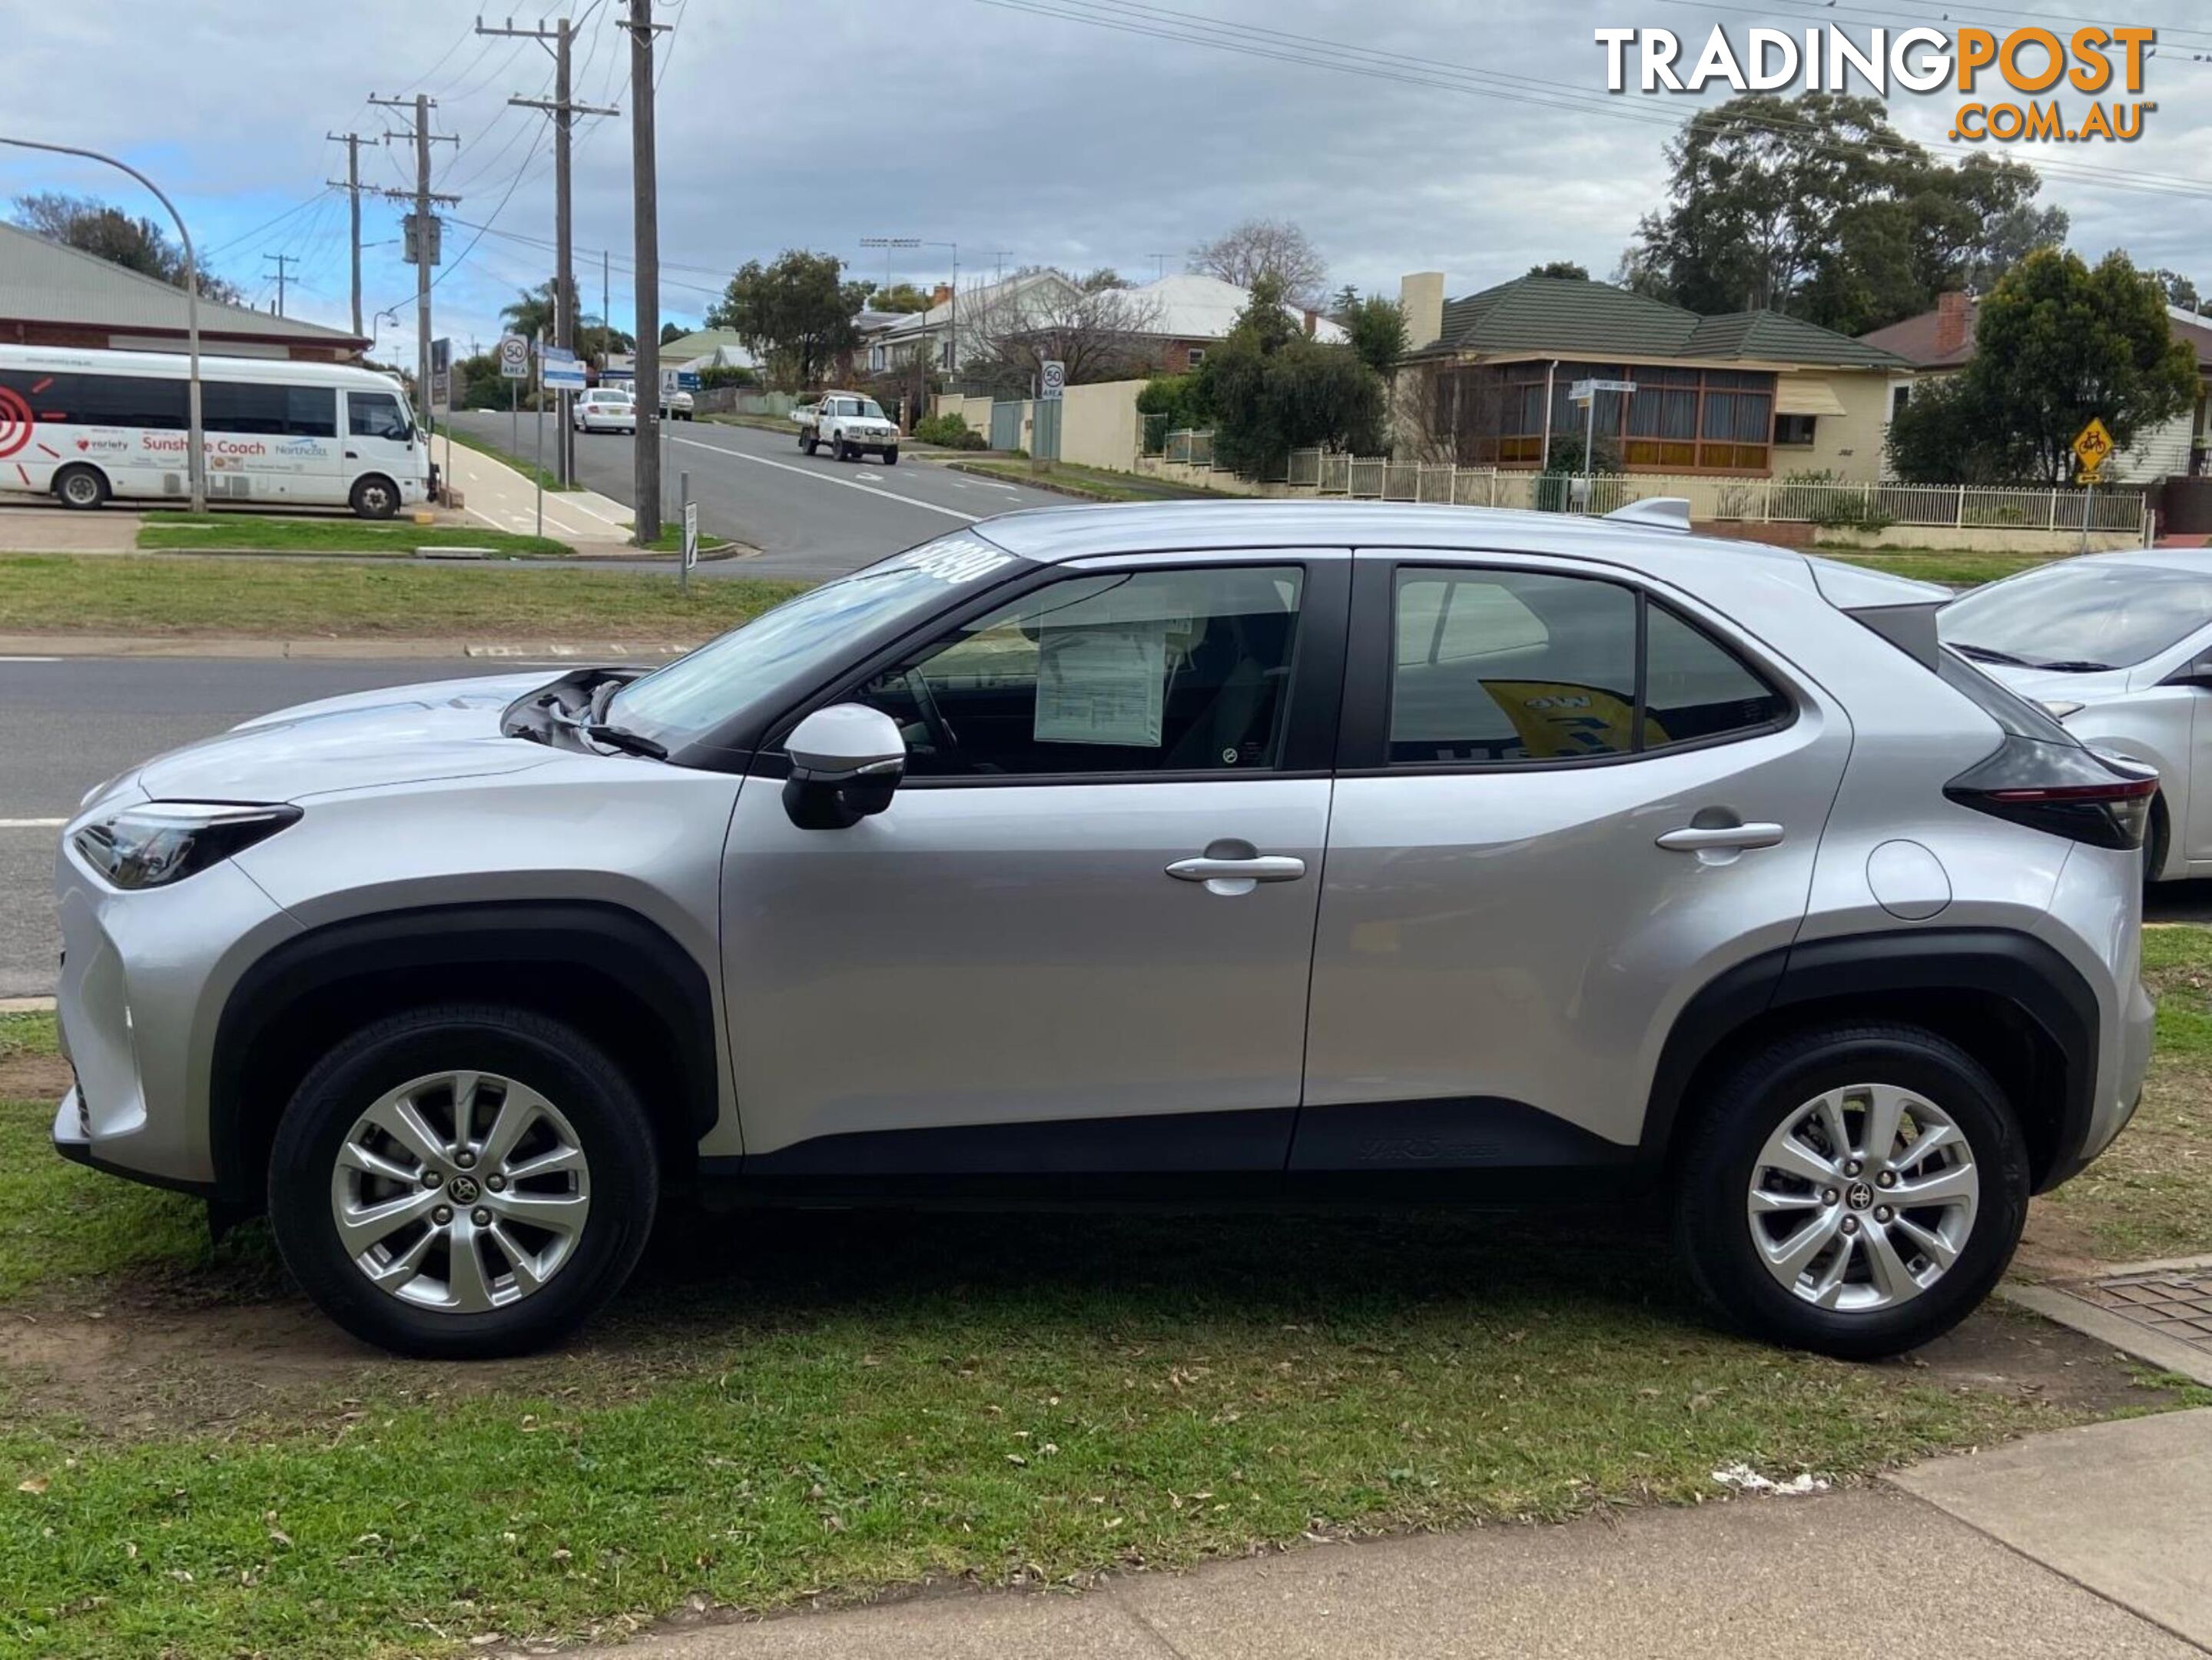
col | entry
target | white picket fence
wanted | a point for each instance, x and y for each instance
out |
(1744, 501)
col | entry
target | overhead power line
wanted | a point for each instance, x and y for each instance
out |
(1158, 22)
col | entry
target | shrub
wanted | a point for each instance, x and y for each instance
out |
(949, 430)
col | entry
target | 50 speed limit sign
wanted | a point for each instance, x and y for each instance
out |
(513, 357)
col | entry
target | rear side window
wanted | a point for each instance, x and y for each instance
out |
(1494, 666)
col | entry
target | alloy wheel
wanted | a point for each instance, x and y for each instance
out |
(460, 1191)
(1863, 1198)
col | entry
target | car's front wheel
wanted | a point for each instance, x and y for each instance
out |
(1853, 1190)
(462, 1183)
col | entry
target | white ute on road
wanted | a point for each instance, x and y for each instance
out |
(849, 425)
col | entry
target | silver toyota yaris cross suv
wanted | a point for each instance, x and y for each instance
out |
(1206, 850)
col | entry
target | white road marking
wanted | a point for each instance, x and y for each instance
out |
(30, 660)
(32, 823)
(821, 478)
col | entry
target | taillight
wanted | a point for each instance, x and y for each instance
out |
(2062, 788)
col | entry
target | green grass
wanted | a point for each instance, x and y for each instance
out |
(60, 593)
(670, 540)
(782, 424)
(522, 464)
(1090, 483)
(838, 1403)
(2150, 1194)
(1934, 565)
(226, 533)
(794, 1405)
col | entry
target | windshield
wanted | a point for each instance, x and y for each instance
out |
(801, 641)
(2084, 614)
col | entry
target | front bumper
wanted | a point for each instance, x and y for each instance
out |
(145, 975)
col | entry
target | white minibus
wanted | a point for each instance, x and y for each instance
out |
(85, 426)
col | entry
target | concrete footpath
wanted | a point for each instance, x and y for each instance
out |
(2095, 1541)
(499, 496)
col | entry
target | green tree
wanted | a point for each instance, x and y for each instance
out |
(1378, 329)
(530, 313)
(899, 297)
(1270, 389)
(1102, 278)
(1566, 267)
(795, 315)
(104, 231)
(673, 331)
(2179, 290)
(1817, 207)
(2056, 343)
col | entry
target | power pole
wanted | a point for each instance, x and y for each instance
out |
(284, 262)
(426, 236)
(567, 310)
(352, 140)
(646, 189)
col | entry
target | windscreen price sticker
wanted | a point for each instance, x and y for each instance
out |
(955, 560)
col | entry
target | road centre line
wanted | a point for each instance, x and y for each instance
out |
(850, 483)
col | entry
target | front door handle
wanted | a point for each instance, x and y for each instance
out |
(1261, 867)
(1699, 838)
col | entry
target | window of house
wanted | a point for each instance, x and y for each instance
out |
(875, 357)
(1898, 398)
(1496, 666)
(1197, 355)
(1166, 671)
(1794, 429)
(1678, 420)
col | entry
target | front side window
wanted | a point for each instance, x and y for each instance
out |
(1149, 671)
(1498, 667)
(374, 415)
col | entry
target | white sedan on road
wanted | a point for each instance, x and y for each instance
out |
(604, 409)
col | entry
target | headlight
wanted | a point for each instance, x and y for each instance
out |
(2059, 707)
(164, 842)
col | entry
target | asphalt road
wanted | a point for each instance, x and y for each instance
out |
(75, 722)
(811, 517)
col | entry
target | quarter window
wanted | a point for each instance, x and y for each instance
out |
(1494, 666)
(1171, 671)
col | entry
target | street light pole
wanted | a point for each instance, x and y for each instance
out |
(195, 461)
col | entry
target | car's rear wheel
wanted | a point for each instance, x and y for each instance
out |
(1854, 1190)
(81, 487)
(462, 1183)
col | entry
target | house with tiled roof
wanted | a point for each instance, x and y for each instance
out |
(1942, 342)
(1488, 379)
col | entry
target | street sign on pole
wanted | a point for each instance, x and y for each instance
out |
(690, 526)
(441, 374)
(2093, 446)
(1582, 391)
(513, 357)
(558, 369)
(1054, 380)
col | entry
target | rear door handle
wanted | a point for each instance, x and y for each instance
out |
(1701, 839)
(1264, 867)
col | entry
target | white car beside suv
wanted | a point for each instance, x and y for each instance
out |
(848, 424)
(604, 409)
(1214, 851)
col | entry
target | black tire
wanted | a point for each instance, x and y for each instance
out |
(805, 444)
(559, 1062)
(2154, 844)
(374, 496)
(840, 450)
(1713, 1231)
(890, 456)
(81, 488)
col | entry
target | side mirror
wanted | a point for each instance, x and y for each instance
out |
(846, 761)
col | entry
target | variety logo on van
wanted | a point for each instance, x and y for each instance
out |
(2028, 61)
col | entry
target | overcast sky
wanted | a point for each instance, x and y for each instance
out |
(785, 125)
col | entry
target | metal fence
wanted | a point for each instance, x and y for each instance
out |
(1825, 503)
